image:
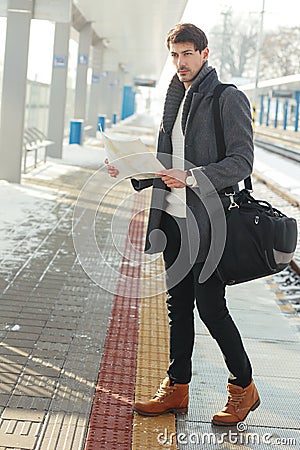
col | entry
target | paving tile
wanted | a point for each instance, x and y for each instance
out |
(15, 343)
(35, 314)
(12, 358)
(4, 399)
(11, 368)
(32, 321)
(23, 414)
(65, 431)
(41, 370)
(21, 336)
(48, 354)
(9, 377)
(8, 317)
(30, 329)
(54, 362)
(28, 402)
(52, 346)
(46, 337)
(35, 386)
(60, 325)
(19, 434)
(7, 387)
(10, 307)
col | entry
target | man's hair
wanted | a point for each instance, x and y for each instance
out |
(187, 32)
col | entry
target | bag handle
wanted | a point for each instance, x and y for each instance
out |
(221, 148)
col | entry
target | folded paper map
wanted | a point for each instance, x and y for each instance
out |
(131, 157)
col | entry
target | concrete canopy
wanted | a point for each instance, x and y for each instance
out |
(134, 31)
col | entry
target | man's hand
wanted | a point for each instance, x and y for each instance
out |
(111, 170)
(173, 178)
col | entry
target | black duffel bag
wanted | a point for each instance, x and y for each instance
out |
(260, 240)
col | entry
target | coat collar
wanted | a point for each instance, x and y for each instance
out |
(175, 94)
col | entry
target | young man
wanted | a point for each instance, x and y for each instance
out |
(187, 139)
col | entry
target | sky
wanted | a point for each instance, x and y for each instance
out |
(277, 12)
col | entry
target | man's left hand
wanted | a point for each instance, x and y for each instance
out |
(173, 178)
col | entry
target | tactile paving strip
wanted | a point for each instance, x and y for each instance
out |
(110, 426)
(152, 361)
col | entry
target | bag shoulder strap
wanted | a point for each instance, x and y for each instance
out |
(221, 147)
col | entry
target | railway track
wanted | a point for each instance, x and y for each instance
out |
(286, 145)
(290, 137)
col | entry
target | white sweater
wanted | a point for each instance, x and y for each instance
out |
(176, 199)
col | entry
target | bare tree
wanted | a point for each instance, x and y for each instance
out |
(280, 53)
(233, 45)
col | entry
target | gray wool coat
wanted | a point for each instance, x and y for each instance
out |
(200, 150)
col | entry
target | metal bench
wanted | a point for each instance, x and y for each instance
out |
(33, 141)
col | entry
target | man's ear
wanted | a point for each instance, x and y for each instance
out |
(206, 53)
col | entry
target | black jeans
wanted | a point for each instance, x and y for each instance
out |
(211, 305)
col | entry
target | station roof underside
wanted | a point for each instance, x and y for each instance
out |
(134, 30)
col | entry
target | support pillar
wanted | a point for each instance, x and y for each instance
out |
(297, 96)
(285, 114)
(58, 91)
(128, 104)
(95, 92)
(276, 113)
(268, 112)
(85, 39)
(19, 15)
(104, 104)
(113, 94)
(121, 74)
(262, 110)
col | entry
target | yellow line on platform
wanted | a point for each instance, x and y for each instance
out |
(152, 361)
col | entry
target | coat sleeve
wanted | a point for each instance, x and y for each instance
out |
(139, 185)
(238, 134)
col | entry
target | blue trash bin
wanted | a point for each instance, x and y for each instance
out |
(76, 128)
(101, 122)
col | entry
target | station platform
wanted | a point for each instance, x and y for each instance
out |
(84, 329)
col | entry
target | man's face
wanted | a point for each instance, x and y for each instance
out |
(187, 61)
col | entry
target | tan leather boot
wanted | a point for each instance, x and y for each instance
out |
(240, 402)
(167, 399)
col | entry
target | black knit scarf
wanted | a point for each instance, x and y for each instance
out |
(174, 96)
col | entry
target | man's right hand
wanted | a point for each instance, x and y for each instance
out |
(111, 170)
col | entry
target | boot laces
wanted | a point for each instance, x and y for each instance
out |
(235, 398)
(163, 391)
